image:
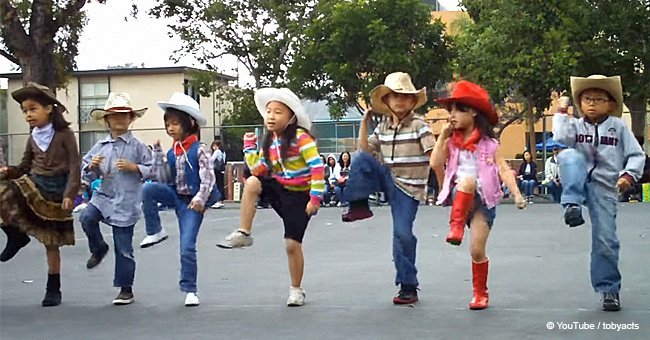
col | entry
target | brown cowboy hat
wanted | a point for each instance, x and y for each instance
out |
(32, 90)
(611, 85)
(117, 103)
(398, 82)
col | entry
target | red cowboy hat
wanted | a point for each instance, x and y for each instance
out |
(473, 95)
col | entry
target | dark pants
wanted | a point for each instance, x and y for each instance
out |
(123, 245)
(220, 183)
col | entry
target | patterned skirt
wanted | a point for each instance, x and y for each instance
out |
(33, 204)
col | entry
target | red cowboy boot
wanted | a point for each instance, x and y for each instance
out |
(480, 297)
(460, 207)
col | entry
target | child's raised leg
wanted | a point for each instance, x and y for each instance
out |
(479, 234)
(461, 206)
(242, 236)
(574, 173)
(53, 288)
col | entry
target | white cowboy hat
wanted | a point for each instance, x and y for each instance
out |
(187, 104)
(119, 102)
(285, 96)
(398, 82)
(611, 85)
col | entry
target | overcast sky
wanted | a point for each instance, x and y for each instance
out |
(108, 40)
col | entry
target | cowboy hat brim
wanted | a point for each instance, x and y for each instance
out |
(192, 112)
(285, 96)
(611, 85)
(485, 108)
(99, 114)
(31, 91)
(380, 91)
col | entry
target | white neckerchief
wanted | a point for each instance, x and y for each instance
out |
(43, 136)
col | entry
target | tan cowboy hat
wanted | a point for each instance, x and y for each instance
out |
(117, 102)
(32, 90)
(285, 96)
(182, 102)
(611, 85)
(398, 82)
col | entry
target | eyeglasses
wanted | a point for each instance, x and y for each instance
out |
(597, 100)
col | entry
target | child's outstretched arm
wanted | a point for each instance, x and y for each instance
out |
(508, 178)
(253, 157)
(564, 129)
(440, 150)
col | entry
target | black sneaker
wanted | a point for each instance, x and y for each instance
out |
(125, 297)
(611, 303)
(95, 259)
(406, 296)
(52, 298)
(573, 215)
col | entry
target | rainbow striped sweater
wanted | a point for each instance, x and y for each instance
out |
(302, 170)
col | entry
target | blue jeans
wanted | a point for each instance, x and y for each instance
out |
(123, 244)
(528, 187)
(189, 223)
(555, 190)
(368, 176)
(605, 246)
(339, 191)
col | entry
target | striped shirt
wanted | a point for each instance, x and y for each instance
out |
(302, 170)
(404, 150)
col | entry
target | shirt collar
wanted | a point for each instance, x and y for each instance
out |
(127, 138)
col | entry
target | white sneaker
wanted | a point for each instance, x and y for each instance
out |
(236, 239)
(191, 300)
(156, 238)
(296, 297)
(218, 205)
(81, 207)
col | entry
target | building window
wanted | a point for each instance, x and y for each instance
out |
(93, 93)
(191, 91)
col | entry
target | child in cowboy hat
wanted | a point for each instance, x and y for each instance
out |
(401, 145)
(186, 181)
(604, 160)
(289, 173)
(474, 171)
(122, 161)
(39, 197)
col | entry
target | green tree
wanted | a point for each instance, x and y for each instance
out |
(242, 112)
(41, 37)
(519, 50)
(259, 33)
(350, 47)
(614, 37)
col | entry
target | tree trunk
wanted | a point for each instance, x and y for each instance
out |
(638, 113)
(531, 131)
(40, 68)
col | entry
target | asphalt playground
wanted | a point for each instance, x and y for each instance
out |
(538, 283)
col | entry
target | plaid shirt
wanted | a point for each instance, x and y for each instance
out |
(162, 173)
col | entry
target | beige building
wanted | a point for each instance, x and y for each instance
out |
(87, 90)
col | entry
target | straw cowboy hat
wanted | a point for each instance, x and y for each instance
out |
(398, 82)
(473, 95)
(285, 96)
(32, 90)
(187, 104)
(117, 102)
(611, 85)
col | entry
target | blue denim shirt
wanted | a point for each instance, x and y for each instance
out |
(119, 196)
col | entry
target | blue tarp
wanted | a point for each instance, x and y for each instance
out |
(550, 145)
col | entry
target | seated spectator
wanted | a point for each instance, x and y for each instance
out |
(526, 176)
(552, 176)
(330, 180)
(343, 170)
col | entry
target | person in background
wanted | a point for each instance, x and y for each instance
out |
(343, 170)
(552, 172)
(219, 159)
(527, 176)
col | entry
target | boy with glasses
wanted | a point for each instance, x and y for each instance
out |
(604, 160)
